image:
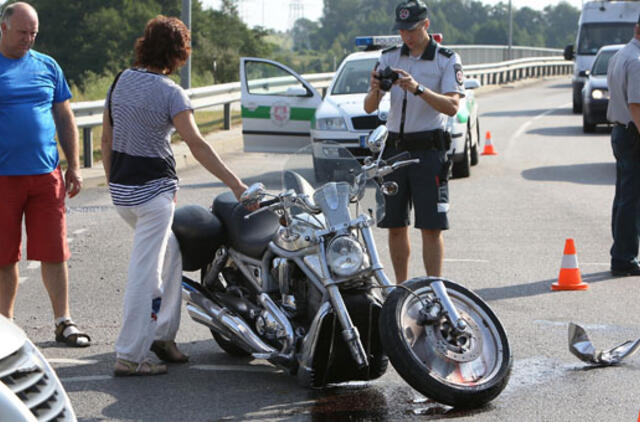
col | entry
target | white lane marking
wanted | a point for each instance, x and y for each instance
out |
(237, 368)
(22, 279)
(32, 265)
(79, 231)
(524, 126)
(87, 378)
(481, 261)
(604, 327)
(72, 361)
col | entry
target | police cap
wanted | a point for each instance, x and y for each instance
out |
(409, 14)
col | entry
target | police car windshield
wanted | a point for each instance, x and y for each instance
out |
(354, 77)
(595, 35)
(602, 62)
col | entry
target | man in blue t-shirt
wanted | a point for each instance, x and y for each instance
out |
(34, 104)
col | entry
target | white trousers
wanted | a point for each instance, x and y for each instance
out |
(154, 278)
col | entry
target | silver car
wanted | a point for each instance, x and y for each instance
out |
(30, 390)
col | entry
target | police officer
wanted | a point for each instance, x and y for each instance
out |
(428, 89)
(623, 78)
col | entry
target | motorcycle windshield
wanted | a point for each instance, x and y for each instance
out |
(330, 171)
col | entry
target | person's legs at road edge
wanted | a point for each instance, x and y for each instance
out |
(8, 288)
(55, 276)
(399, 249)
(432, 251)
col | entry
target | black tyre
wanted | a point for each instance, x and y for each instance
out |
(475, 149)
(577, 103)
(587, 126)
(229, 347)
(463, 168)
(460, 374)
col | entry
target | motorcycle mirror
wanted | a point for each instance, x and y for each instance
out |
(254, 193)
(389, 188)
(377, 138)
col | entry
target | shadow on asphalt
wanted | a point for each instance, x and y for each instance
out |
(560, 131)
(534, 288)
(561, 85)
(588, 174)
(216, 387)
(525, 113)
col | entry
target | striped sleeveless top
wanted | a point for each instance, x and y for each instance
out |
(143, 105)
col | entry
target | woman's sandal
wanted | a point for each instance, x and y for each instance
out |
(126, 368)
(168, 351)
(73, 337)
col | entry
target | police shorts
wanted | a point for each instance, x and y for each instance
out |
(419, 187)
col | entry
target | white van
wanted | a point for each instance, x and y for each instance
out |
(601, 23)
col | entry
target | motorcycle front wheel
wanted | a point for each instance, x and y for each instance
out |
(463, 371)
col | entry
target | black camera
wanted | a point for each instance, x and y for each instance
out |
(387, 77)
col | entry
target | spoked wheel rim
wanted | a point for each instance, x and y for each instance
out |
(470, 360)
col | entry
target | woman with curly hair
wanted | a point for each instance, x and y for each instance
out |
(142, 109)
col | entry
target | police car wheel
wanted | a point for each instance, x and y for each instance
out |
(475, 149)
(463, 168)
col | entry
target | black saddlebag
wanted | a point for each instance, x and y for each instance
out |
(199, 234)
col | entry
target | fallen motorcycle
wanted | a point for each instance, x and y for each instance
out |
(299, 282)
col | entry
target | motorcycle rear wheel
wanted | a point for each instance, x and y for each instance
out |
(229, 347)
(465, 375)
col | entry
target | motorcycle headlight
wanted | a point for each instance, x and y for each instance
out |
(332, 123)
(345, 256)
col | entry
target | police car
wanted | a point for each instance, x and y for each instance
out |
(281, 111)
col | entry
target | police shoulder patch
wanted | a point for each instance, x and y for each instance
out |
(390, 49)
(457, 69)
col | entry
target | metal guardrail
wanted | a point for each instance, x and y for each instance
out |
(89, 113)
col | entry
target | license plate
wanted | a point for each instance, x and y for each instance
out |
(363, 141)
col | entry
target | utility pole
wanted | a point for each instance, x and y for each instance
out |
(509, 53)
(185, 72)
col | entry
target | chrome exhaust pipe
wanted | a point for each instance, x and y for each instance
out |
(204, 311)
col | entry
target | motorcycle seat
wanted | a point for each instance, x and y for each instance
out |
(249, 237)
(199, 235)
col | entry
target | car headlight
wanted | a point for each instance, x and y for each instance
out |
(345, 256)
(331, 123)
(598, 94)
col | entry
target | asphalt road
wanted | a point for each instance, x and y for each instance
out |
(509, 223)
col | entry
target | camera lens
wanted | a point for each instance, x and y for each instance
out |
(385, 84)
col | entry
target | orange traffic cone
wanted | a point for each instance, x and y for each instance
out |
(569, 278)
(488, 146)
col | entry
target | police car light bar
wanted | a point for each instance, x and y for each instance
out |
(380, 41)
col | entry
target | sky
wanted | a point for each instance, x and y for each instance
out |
(276, 13)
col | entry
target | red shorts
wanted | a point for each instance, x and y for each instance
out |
(40, 198)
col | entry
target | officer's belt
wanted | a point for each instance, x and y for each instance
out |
(631, 128)
(436, 139)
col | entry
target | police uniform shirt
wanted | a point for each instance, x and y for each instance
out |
(623, 79)
(438, 69)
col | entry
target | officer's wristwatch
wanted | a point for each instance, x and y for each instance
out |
(419, 90)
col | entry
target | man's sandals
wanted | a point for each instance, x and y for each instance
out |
(68, 333)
